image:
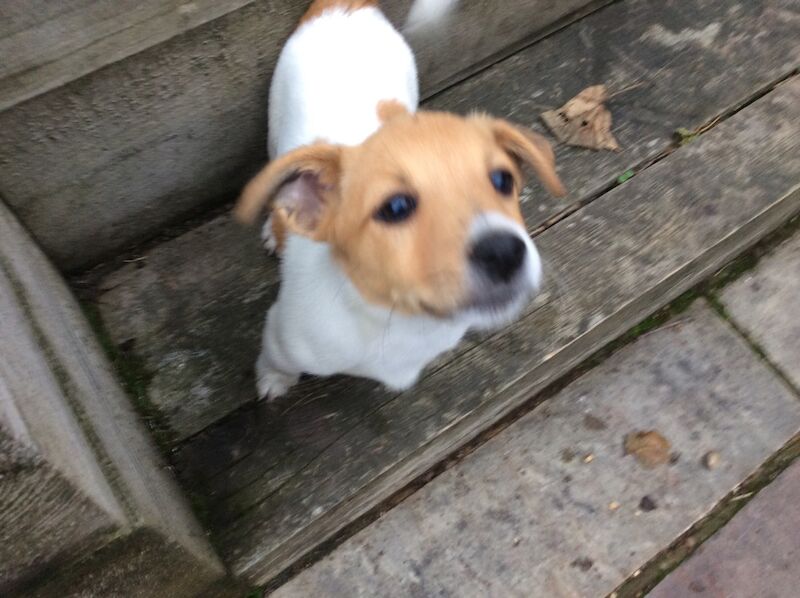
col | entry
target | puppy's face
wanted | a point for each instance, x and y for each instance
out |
(424, 216)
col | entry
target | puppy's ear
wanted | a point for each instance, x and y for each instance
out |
(300, 185)
(529, 148)
(391, 109)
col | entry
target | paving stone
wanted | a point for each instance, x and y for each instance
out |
(756, 554)
(766, 304)
(550, 506)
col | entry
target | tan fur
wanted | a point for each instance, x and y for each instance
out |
(318, 7)
(532, 149)
(279, 233)
(389, 109)
(443, 160)
(318, 158)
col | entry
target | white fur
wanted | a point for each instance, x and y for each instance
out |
(321, 325)
(328, 81)
(331, 75)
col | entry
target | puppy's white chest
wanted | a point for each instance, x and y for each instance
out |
(397, 353)
(321, 325)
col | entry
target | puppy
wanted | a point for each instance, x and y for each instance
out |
(398, 230)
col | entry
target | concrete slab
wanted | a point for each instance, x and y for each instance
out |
(80, 481)
(551, 506)
(54, 499)
(765, 303)
(756, 554)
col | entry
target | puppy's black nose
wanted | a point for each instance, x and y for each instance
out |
(498, 255)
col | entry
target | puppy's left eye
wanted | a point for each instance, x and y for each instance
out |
(397, 208)
(503, 181)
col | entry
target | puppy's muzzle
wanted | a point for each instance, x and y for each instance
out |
(499, 256)
(504, 270)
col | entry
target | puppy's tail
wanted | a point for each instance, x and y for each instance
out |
(427, 14)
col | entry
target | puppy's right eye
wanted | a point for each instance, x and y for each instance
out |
(503, 181)
(396, 209)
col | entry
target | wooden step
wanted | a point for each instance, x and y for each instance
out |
(277, 480)
(46, 45)
(141, 111)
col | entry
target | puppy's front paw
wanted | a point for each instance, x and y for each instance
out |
(273, 384)
(268, 238)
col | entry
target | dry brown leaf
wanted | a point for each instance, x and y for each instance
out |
(584, 121)
(650, 448)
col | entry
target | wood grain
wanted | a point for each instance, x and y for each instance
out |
(43, 516)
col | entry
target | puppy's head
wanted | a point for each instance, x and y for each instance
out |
(423, 216)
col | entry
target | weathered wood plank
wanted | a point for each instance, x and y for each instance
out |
(193, 306)
(180, 124)
(666, 64)
(613, 262)
(49, 44)
(524, 515)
